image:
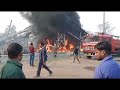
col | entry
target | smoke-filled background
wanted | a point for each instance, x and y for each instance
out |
(48, 24)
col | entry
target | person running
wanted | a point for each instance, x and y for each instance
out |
(76, 52)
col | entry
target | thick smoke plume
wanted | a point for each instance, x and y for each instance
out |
(48, 24)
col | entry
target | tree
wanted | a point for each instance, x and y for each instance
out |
(10, 31)
(7, 31)
(108, 28)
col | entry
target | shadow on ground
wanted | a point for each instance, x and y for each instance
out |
(90, 68)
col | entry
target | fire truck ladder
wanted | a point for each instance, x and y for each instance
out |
(80, 37)
(73, 35)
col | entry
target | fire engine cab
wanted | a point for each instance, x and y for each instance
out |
(90, 40)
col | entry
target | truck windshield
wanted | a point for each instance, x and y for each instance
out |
(91, 39)
(95, 38)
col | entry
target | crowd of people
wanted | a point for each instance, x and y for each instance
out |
(108, 68)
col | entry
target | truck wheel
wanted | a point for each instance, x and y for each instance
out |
(89, 57)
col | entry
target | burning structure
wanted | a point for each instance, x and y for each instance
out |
(47, 25)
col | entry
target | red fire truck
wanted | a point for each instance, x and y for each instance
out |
(90, 40)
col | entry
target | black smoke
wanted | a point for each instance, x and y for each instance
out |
(48, 24)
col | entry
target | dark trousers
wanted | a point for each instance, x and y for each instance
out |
(31, 59)
(44, 66)
(55, 54)
(76, 57)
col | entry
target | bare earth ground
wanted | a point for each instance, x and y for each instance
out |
(63, 68)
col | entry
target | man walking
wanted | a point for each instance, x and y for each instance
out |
(76, 52)
(42, 59)
(108, 67)
(13, 68)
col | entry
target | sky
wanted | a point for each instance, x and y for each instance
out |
(89, 20)
(17, 20)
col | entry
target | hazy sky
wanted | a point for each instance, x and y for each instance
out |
(89, 20)
(17, 20)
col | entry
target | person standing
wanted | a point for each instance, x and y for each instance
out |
(108, 67)
(76, 52)
(13, 68)
(32, 54)
(55, 50)
(42, 59)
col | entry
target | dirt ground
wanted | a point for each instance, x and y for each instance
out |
(63, 68)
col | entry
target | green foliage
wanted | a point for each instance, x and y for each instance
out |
(108, 27)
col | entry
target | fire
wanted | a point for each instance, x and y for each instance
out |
(49, 47)
(48, 42)
(37, 49)
(71, 46)
(62, 49)
(66, 42)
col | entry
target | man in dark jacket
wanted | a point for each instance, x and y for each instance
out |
(13, 69)
(42, 59)
(76, 52)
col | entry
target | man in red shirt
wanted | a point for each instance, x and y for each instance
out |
(32, 54)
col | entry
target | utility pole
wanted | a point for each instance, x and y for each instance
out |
(80, 39)
(104, 31)
(10, 26)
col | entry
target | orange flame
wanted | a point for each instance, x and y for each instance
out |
(37, 49)
(66, 42)
(49, 47)
(71, 46)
